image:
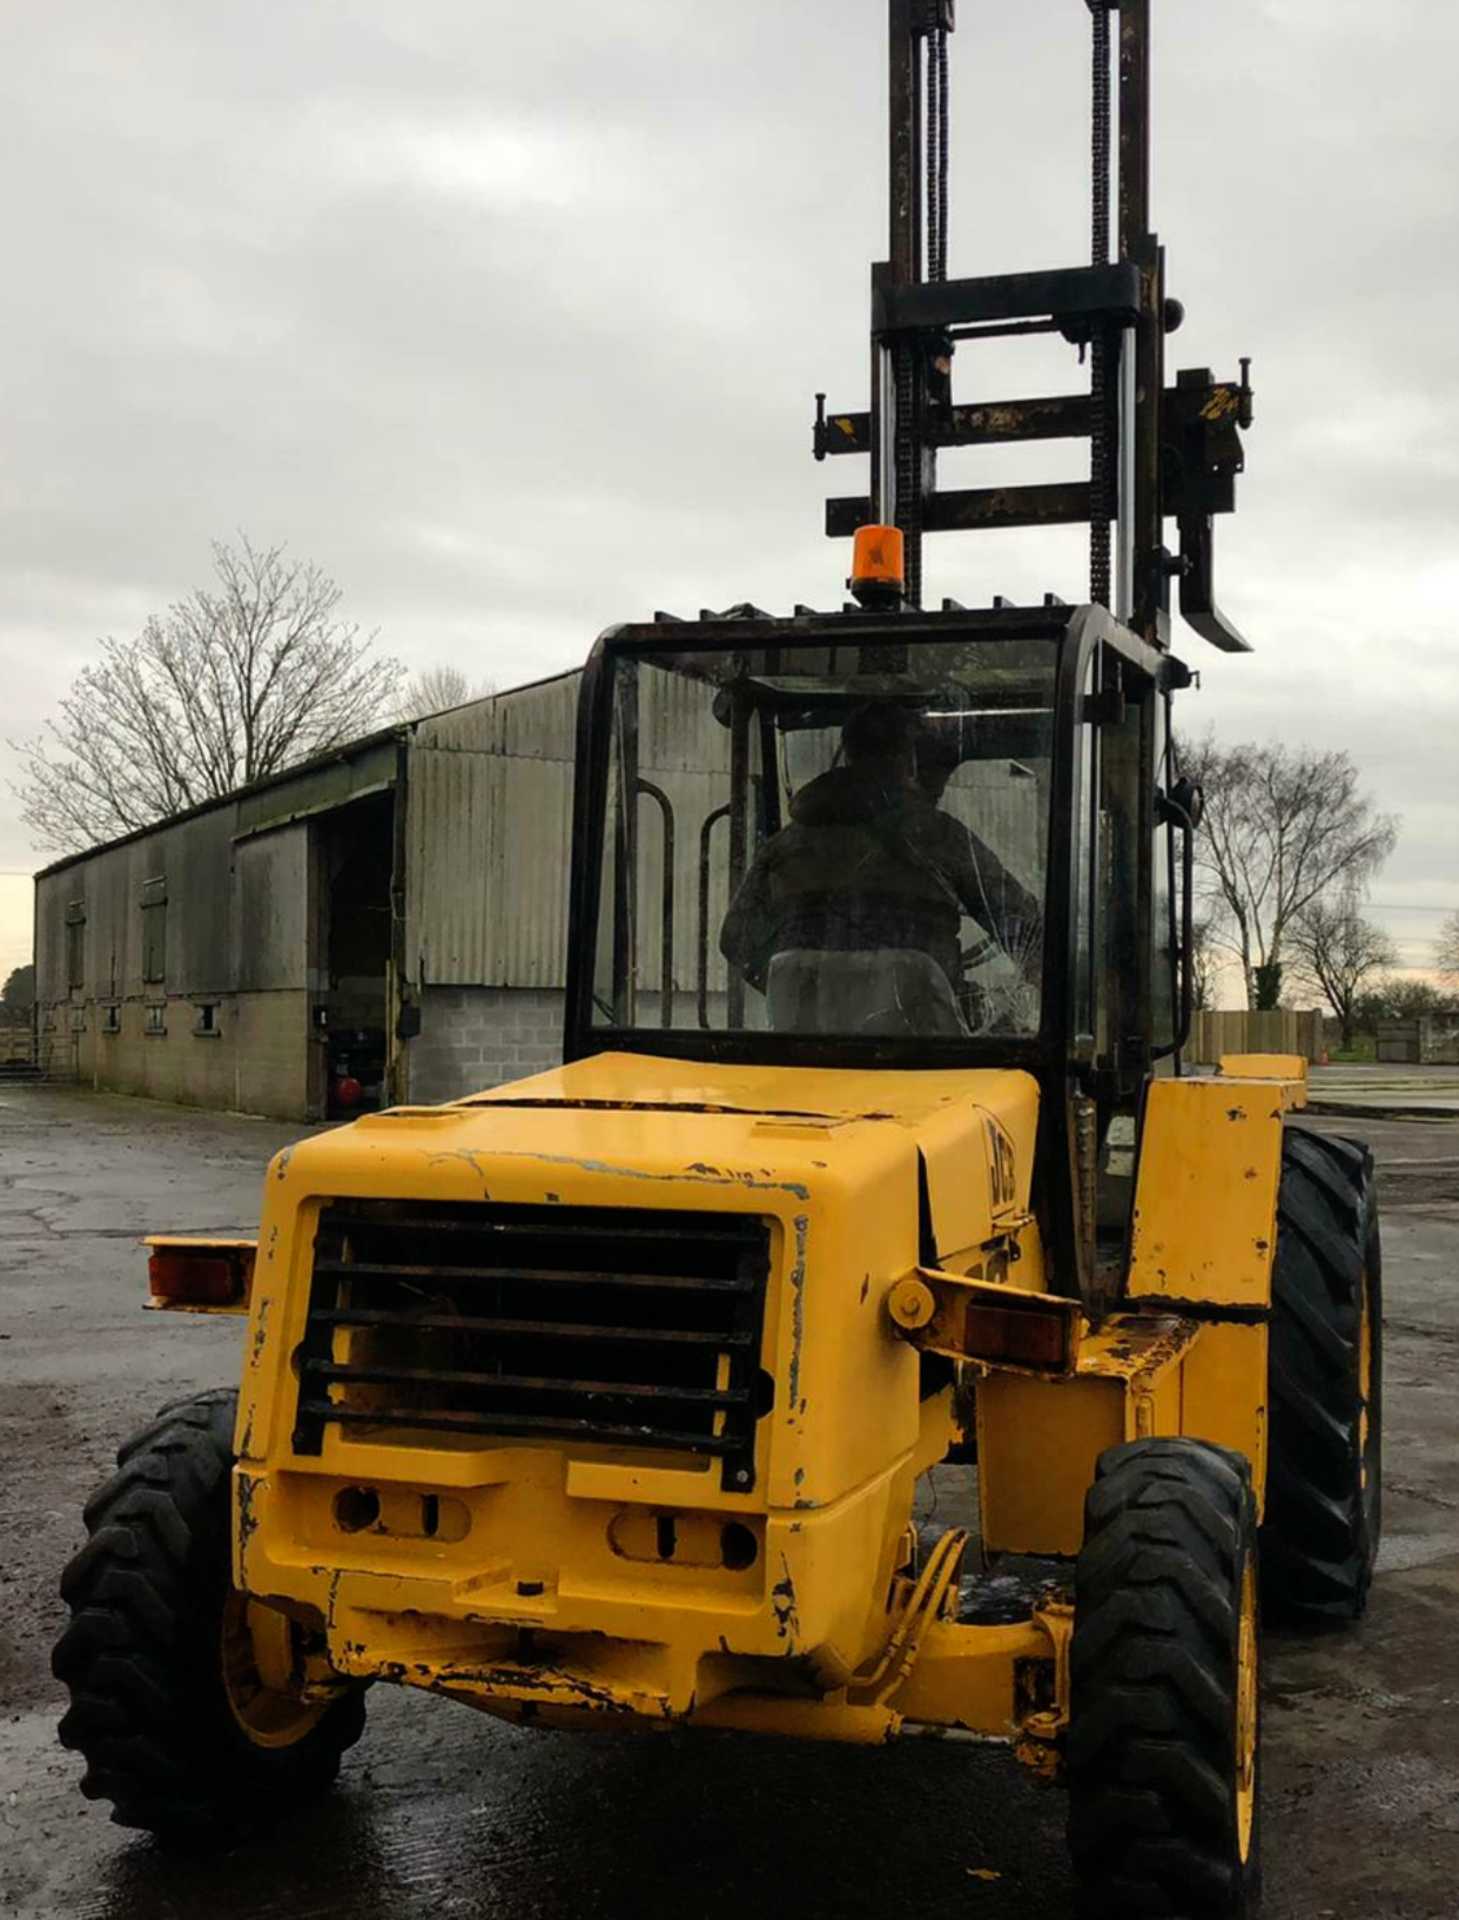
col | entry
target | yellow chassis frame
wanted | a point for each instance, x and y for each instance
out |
(1185, 1355)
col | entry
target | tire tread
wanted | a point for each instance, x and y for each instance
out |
(140, 1654)
(1169, 1528)
(1319, 1537)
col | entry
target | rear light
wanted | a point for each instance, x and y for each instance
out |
(987, 1323)
(199, 1276)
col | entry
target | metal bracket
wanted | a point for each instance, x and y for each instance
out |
(1070, 295)
(984, 1322)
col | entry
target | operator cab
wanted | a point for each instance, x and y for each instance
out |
(837, 839)
(991, 886)
(897, 837)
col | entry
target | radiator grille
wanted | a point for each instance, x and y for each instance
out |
(601, 1325)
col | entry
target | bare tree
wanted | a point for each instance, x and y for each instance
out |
(232, 683)
(1205, 961)
(438, 688)
(1336, 948)
(1394, 998)
(1283, 826)
(1446, 948)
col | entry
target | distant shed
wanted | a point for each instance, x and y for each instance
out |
(387, 922)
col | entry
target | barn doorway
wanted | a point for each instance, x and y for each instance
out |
(353, 864)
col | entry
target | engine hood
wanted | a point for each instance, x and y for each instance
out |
(650, 1083)
(973, 1128)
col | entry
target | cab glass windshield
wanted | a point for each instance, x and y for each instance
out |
(845, 841)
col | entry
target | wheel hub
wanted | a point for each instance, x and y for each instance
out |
(259, 1669)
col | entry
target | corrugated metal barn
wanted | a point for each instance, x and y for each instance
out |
(385, 923)
(389, 923)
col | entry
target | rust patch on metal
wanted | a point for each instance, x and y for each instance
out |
(797, 1316)
(782, 1601)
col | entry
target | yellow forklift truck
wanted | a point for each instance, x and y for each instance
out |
(600, 1400)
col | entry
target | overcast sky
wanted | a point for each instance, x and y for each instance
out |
(511, 318)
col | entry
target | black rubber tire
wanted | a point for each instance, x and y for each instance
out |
(1154, 1826)
(142, 1656)
(1324, 1499)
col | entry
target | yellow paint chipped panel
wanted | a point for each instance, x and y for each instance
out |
(1224, 1389)
(1204, 1225)
(1288, 1070)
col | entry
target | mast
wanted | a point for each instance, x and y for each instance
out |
(1154, 453)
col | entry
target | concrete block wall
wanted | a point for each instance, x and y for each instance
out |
(108, 1045)
(274, 1045)
(471, 1039)
(256, 1060)
(474, 1038)
(1423, 1041)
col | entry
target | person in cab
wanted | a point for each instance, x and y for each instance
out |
(849, 919)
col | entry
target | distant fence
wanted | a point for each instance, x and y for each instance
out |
(1284, 1031)
(1420, 1042)
(17, 1046)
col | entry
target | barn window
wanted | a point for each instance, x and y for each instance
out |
(76, 944)
(154, 930)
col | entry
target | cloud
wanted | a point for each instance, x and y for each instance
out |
(514, 322)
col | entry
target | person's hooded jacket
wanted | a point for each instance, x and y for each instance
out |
(867, 862)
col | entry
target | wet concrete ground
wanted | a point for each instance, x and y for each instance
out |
(1385, 1092)
(441, 1812)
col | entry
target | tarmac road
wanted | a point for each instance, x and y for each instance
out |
(442, 1812)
